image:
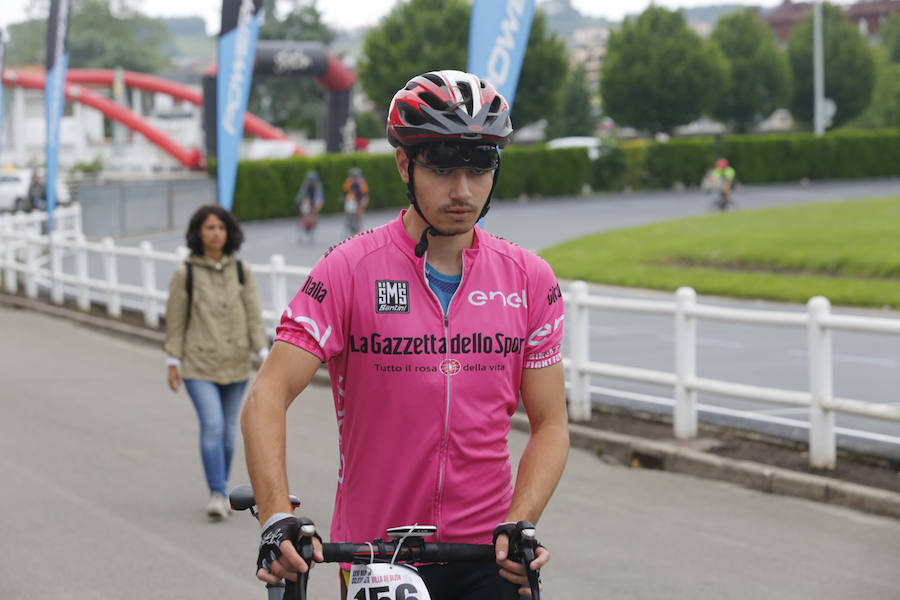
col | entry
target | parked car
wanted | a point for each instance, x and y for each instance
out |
(591, 143)
(14, 186)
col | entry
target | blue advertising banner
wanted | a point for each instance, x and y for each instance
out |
(54, 93)
(237, 49)
(498, 35)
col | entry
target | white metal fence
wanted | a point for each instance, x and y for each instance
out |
(818, 399)
(59, 264)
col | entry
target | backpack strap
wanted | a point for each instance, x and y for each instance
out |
(189, 288)
(240, 270)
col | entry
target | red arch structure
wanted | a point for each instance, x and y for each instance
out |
(76, 92)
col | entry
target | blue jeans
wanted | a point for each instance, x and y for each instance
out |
(217, 406)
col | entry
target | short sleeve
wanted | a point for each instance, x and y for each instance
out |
(545, 318)
(314, 319)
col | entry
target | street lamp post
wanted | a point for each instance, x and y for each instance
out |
(818, 71)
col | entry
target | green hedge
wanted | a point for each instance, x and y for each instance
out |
(765, 158)
(266, 188)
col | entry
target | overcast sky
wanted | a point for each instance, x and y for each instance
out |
(354, 13)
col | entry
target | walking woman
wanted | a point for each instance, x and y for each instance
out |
(213, 321)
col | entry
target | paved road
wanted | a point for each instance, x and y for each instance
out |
(102, 495)
(866, 365)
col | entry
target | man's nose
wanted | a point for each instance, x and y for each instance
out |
(460, 189)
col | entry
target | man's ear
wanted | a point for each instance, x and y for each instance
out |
(402, 163)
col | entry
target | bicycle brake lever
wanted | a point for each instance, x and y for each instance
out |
(527, 548)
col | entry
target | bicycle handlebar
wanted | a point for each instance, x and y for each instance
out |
(410, 552)
(412, 549)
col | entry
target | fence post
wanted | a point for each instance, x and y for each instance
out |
(56, 254)
(81, 273)
(148, 273)
(11, 279)
(579, 329)
(822, 441)
(31, 266)
(111, 273)
(77, 226)
(685, 416)
(279, 285)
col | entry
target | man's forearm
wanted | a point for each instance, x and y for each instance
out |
(540, 469)
(263, 428)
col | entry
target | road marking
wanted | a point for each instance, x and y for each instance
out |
(705, 341)
(855, 359)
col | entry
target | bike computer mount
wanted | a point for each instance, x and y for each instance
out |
(420, 531)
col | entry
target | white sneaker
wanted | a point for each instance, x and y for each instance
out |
(217, 507)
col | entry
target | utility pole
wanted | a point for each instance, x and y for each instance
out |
(818, 71)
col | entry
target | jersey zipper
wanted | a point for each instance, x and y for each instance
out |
(445, 437)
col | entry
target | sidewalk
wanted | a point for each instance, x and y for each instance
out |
(654, 449)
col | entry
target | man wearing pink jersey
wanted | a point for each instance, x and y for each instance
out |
(432, 329)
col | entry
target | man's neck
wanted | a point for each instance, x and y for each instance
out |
(444, 251)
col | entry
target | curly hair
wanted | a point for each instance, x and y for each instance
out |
(234, 233)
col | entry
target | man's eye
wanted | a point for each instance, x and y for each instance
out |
(439, 171)
(475, 171)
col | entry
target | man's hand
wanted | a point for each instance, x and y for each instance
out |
(514, 572)
(174, 378)
(278, 558)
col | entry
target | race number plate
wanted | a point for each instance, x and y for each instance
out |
(381, 581)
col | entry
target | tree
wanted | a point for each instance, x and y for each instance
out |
(890, 37)
(884, 109)
(658, 73)
(759, 77)
(574, 115)
(849, 66)
(295, 103)
(544, 68)
(102, 34)
(426, 35)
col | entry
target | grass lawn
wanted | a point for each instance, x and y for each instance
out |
(847, 251)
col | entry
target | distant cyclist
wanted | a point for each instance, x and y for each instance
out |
(432, 329)
(356, 199)
(309, 200)
(723, 179)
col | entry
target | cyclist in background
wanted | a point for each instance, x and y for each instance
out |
(356, 199)
(309, 200)
(431, 328)
(723, 176)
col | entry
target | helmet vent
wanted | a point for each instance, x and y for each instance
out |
(433, 101)
(495, 104)
(466, 92)
(410, 115)
(411, 86)
(434, 78)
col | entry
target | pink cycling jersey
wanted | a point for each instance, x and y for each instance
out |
(423, 401)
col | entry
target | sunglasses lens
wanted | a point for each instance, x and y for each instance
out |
(449, 156)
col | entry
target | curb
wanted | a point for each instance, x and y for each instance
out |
(624, 449)
(670, 456)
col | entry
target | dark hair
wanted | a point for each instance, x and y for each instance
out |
(235, 235)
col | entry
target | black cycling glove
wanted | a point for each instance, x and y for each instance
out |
(270, 544)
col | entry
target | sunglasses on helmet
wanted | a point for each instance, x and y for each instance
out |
(448, 155)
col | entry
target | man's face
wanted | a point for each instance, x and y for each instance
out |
(452, 183)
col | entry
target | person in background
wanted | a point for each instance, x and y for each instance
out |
(213, 321)
(36, 197)
(309, 199)
(356, 199)
(723, 178)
